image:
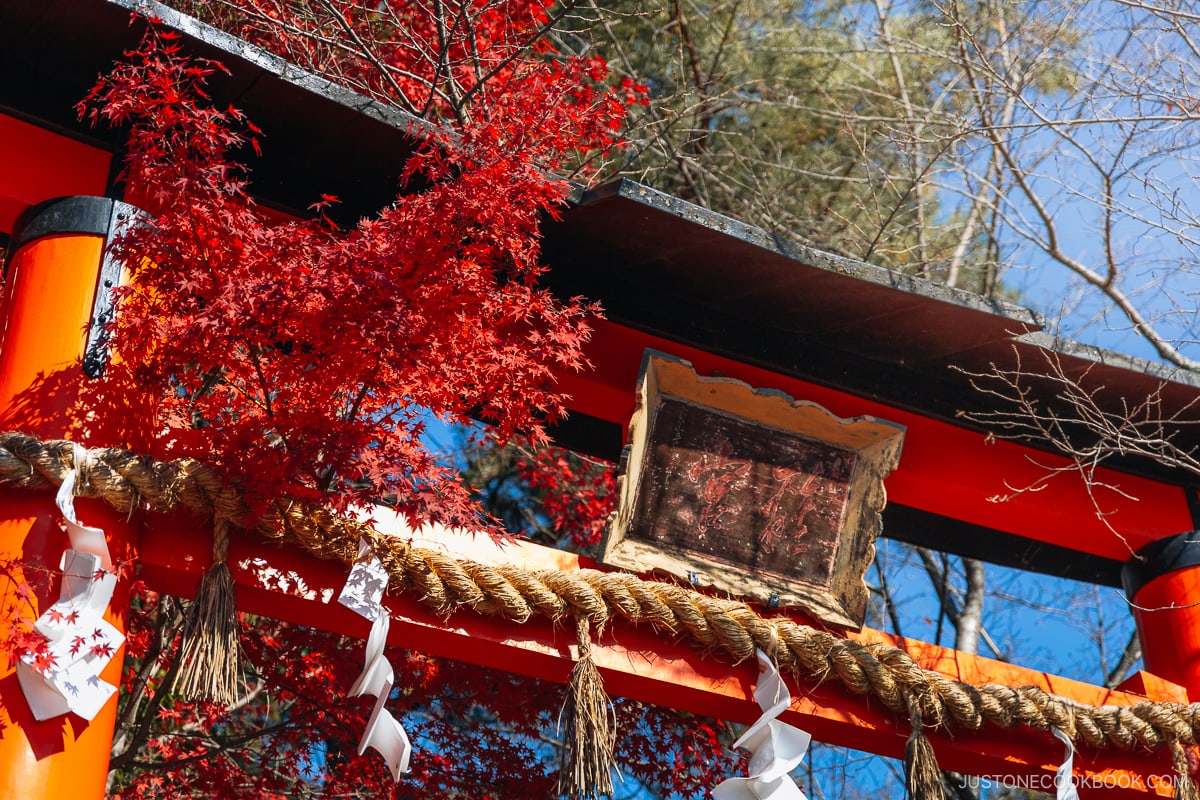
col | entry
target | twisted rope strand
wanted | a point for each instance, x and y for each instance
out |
(445, 584)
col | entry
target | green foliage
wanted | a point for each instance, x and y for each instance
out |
(840, 124)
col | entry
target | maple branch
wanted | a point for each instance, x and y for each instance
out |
(276, 24)
(363, 390)
(368, 53)
(444, 68)
(141, 733)
(166, 630)
(221, 745)
(326, 480)
(207, 384)
(253, 352)
(198, 725)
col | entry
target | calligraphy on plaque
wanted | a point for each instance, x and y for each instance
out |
(751, 492)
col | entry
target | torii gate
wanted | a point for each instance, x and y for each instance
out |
(63, 756)
(58, 257)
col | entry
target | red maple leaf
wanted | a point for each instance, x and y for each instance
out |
(44, 661)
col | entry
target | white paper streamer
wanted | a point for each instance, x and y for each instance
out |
(377, 671)
(363, 594)
(1063, 779)
(388, 737)
(79, 642)
(776, 748)
(83, 538)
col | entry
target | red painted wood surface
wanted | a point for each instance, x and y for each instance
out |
(40, 165)
(47, 304)
(943, 469)
(1168, 622)
(284, 582)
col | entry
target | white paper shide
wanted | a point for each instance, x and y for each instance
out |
(79, 641)
(776, 748)
(363, 594)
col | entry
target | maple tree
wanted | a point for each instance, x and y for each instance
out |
(302, 358)
(308, 354)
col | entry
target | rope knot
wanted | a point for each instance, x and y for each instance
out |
(82, 463)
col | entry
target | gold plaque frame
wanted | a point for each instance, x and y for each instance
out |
(750, 492)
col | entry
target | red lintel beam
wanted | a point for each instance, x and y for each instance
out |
(944, 469)
(43, 165)
(288, 584)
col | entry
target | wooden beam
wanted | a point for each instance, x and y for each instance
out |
(50, 165)
(636, 663)
(944, 469)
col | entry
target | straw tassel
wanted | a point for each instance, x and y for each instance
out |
(588, 726)
(923, 776)
(208, 655)
(1185, 788)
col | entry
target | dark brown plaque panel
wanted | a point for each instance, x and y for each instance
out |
(751, 492)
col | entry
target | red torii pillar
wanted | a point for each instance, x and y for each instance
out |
(56, 276)
(1162, 581)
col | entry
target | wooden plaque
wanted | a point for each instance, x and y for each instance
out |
(750, 492)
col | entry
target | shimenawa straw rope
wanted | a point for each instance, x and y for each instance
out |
(729, 627)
